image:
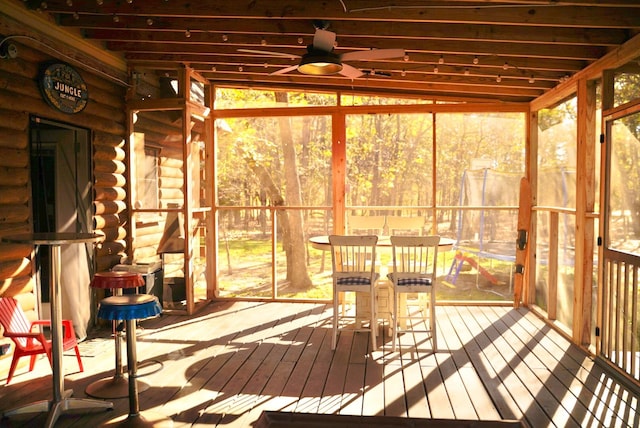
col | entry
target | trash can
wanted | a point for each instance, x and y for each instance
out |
(151, 273)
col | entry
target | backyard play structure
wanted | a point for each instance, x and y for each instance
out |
(486, 221)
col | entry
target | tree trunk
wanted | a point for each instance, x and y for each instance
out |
(293, 239)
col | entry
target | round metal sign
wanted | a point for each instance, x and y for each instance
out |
(63, 88)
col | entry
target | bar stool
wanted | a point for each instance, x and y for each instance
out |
(116, 386)
(130, 308)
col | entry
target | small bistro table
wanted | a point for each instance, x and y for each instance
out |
(61, 400)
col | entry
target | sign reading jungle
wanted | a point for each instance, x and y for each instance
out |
(63, 88)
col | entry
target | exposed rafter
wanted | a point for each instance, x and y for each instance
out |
(489, 50)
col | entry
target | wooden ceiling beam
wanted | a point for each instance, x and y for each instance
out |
(426, 88)
(413, 71)
(411, 78)
(375, 10)
(504, 51)
(614, 59)
(395, 93)
(448, 83)
(599, 3)
(427, 61)
(521, 67)
(288, 32)
(456, 83)
(486, 86)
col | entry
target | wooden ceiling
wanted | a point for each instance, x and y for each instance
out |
(489, 50)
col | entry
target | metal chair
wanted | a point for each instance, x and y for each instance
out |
(29, 341)
(414, 271)
(353, 261)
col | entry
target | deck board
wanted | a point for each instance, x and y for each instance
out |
(532, 372)
(497, 355)
(501, 398)
(578, 376)
(470, 378)
(230, 362)
(546, 367)
(415, 393)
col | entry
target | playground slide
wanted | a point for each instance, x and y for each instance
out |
(460, 259)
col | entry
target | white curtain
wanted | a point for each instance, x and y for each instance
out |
(73, 193)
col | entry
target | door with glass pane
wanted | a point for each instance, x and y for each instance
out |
(620, 312)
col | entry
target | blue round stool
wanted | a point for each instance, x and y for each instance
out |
(129, 308)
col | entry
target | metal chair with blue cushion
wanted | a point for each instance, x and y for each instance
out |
(130, 308)
(414, 271)
(353, 259)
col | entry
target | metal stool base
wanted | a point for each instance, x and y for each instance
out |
(130, 308)
(113, 387)
(141, 420)
(57, 408)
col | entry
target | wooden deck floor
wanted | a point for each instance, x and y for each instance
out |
(228, 363)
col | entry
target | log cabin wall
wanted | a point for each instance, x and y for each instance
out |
(104, 116)
(159, 125)
(153, 129)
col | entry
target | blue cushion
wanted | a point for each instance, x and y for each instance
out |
(129, 307)
(411, 281)
(355, 280)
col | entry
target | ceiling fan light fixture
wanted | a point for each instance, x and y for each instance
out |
(320, 63)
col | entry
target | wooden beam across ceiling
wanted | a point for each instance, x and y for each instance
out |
(508, 51)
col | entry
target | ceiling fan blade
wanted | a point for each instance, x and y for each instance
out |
(372, 54)
(284, 70)
(274, 54)
(324, 40)
(350, 72)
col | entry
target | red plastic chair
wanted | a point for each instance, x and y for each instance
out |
(29, 341)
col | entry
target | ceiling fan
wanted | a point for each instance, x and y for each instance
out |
(321, 60)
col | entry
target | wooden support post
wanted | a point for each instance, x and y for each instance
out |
(552, 280)
(585, 203)
(338, 166)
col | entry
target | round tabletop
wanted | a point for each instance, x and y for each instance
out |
(52, 238)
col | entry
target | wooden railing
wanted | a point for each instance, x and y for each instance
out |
(620, 321)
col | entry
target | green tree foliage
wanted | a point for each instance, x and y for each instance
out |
(390, 159)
